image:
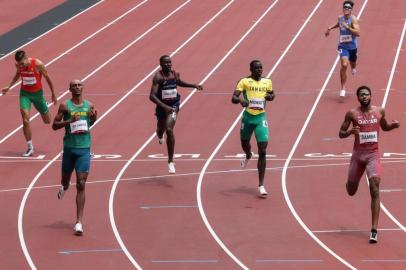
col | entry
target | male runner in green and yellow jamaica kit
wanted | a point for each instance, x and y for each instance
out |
(256, 91)
(76, 115)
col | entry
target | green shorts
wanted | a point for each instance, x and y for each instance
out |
(37, 98)
(254, 123)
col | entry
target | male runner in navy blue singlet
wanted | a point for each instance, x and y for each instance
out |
(167, 99)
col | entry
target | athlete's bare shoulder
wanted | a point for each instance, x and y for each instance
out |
(158, 77)
(63, 107)
(376, 108)
(352, 113)
(379, 110)
(38, 61)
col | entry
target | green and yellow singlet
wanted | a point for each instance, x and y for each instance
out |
(77, 134)
(254, 93)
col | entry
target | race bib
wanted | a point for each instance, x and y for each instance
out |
(256, 103)
(345, 38)
(79, 126)
(368, 137)
(29, 80)
(169, 94)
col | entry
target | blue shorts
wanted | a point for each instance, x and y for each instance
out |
(76, 158)
(161, 113)
(350, 54)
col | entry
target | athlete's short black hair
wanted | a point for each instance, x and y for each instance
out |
(351, 3)
(252, 63)
(362, 88)
(19, 55)
(163, 57)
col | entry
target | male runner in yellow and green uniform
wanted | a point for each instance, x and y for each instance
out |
(76, 115)
(31, 70)
(256, 91)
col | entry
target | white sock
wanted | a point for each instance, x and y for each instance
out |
(29, 143)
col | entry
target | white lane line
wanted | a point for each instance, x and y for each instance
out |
(16, 158)
(353, 230)
(70, 252)
(393, 190)
(288, 261)
(293, 150)
(385, 210)
(103, 65)
(184, 261)
(41, 158)
(114, 187)
(21, 212)
(56, 27)
(149, 207)
(179, 175)
(26, 194)
(200, 180)
(384, 261)
(393, 70)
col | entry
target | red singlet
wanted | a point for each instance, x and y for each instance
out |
(30, 77)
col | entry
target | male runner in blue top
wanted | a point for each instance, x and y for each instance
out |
(167, 99)
(348, 44)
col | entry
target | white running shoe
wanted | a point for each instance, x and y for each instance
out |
(171, 168)
(262, 191)
(245, 160)
(342, 93)
(353, 71)
(78, 229)
(373, 238)
(29, 152)
(61, 192)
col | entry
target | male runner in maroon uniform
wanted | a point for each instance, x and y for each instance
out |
(31, 70)
(366, 121)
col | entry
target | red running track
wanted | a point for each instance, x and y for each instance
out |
(15, 13)
(156, 214)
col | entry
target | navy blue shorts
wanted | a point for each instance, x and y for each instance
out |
(76, 158)
(161, 113)
(350, 54)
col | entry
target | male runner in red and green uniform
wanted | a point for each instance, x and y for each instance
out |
(256, 91)
(167, 99)
(76, 115)
(366, 121)
(31, 70)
